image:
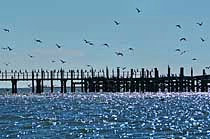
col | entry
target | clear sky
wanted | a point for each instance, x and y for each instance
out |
(153, 33)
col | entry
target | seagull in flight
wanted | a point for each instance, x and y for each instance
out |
(200, 24)
(62, 61)
(138, 10)
(182, 39)
(106, 44)
(10, 49)
(86, 41)
(59, 46)
(31, 56)
(6, 64)
(116, 22)
(119, 54)
(90, 43)
(194, 59)
(179, 26)
(178, 50)
(6, 30)
(38, 40)
(183, 52)
(202, 39)
(53, 61)
(131, 49)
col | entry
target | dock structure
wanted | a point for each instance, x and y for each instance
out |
(134, 80)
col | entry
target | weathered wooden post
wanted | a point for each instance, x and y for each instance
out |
(156, 86)
(51, 81)
(32, 77)
(72, 82)
(132, 81)
(14, 86)
(142, 80)
(38, 86)
(82, 81)
(192, 81)
(169, 79)
(118, 80)
(181, 77)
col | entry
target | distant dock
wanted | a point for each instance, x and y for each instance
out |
(107, 80)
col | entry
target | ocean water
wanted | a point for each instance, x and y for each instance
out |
(105, 115)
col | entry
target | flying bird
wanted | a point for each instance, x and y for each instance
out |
(38, 40)
(178, 50)
(194, 59)
(138, 10)
(131, 49)
(59, 46)
(6, 64)
(86, 41)
(53, 61)
(183, 39)
(200, 24)
(183, 52)
(106, 44)
(116, 22)
(6, 30)
(62, 61)
(179, 26)
(202, 39)
(31, 56)
(10, 49)
(119, 54)
(90, 43)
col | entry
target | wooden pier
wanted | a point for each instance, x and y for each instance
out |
(134, 80)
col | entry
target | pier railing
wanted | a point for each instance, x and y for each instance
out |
(133, 80)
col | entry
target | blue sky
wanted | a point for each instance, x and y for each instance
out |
(153, 33)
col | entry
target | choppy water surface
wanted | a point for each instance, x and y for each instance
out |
(106, 115)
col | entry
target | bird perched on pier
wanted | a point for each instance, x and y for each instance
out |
(208, 67)
(116, 22)
(106, 45)
(179, 26)
(119, 54)
(194, 59)
(6, 30)
(62, 61)
(202, 39)
(138, 10)
(38, 40)
(123, 68)
(59, 46)
(89, 66)
(200, 24)
(182, 39)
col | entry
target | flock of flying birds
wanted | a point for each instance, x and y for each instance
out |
(117, 53)
(200, 24)
(87, 42)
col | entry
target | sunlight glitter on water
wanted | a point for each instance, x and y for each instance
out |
(106, 115)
